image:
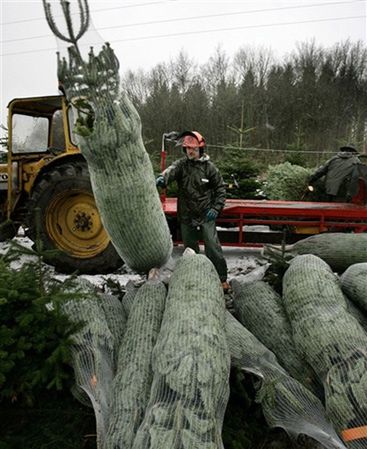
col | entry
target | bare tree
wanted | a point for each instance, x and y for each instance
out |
(182, 71)
(215, 71)
(135, 84)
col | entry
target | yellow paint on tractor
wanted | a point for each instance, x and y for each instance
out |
(31, 169)
(74, 224)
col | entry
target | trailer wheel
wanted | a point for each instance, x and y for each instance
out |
(63, 214)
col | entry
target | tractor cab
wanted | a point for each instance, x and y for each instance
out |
(35, 126)
(38, 132)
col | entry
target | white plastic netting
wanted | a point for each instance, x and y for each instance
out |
(171, 386)
(259, 308)
(132, 383)
(338, 249)
(332, 341)
(107, 129)
(354, 284)
(285, 402)
(94, 350)
(356, 311)
(190, 363)
(128, 298)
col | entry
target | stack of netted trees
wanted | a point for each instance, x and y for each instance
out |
(331, 340)
(322, 322)
(168, 387)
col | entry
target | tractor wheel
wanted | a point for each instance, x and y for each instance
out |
(8, 230)
(69, 221)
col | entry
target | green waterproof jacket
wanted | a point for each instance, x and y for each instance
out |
(337, 170)
(200, 188)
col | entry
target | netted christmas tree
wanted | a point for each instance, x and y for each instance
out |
(259, 308)
(134, 375)
(354, 284)
(95, 349)
(190, 363)
(108, 130)
(285, 402)
(332, 341)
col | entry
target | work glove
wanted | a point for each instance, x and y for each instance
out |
(160, 182)
(211, 215)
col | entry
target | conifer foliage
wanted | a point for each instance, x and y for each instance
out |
(34, 332)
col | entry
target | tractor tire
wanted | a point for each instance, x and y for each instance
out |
(8, 230)
(63, 215)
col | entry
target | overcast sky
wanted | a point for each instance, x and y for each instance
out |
(143, 33)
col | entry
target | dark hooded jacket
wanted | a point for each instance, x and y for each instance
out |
(358, 181)
(338, 170)
(200, 188)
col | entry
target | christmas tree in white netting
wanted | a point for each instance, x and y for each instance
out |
(259, 308)
(285, 402)
(190, 363)
(132, 383)
(333, 342)
(108, 131)
(354, 284)
(94, 350)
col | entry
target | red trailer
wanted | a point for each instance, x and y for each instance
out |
(254, 222)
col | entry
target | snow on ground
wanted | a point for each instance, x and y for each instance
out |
(239, 260)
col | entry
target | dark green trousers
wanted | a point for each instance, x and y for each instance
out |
(213, 250)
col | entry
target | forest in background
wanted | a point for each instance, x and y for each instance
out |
(313, 100)
(300, 109)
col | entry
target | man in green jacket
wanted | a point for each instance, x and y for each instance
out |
(201, 197)
(338, 171)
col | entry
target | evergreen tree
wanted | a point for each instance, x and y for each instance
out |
(35, 334)
(316, 99)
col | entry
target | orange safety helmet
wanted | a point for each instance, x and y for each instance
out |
(192, 139)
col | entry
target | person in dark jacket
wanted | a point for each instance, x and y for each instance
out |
(201, 197)
(338, 171)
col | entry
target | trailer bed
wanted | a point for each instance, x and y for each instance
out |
(241, 220)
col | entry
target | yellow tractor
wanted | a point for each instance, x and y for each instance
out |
(45, 187)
